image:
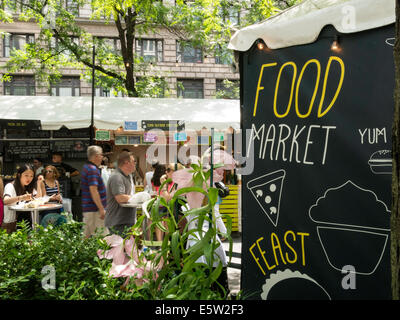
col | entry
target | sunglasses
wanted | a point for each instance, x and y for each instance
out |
(48, 171)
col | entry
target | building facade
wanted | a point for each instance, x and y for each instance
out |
(189, 72)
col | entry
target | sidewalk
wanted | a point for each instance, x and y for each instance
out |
(233, 273)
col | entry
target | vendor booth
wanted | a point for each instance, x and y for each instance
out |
(317, 85)
(168, 130)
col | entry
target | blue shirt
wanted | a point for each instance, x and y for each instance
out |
(91, 176)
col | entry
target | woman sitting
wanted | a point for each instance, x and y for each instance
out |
(51, 187)
(23, 188)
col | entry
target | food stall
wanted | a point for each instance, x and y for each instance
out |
(167, 129)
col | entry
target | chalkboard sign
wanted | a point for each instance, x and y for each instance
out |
(72, 149)
(39, 134)
(25, 150)
(20, 124)
(317, 127)
(64, 132)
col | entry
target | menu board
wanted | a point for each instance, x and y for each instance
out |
(316, 130)
(72, 149)
(25, 150)
(64, 132)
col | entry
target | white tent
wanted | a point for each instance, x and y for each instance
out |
(110, 113)
(302, 24)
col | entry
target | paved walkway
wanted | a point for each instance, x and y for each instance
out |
(233, 273)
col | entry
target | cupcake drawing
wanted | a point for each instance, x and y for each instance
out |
(353, 227)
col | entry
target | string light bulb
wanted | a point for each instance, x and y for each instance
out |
(335, 44)
(260, 45)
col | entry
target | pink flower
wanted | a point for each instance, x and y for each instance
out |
(183, 178)
(127, 261)
(116, 252)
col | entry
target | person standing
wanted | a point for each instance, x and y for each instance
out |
(93, 193)
(120, 188)
(62, 167)
(148, 176)
(66, 173)
(38, 166)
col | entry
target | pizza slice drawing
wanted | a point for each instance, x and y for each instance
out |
(267, 190)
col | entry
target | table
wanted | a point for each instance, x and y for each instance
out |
(35, 211)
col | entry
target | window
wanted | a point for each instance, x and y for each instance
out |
(56, 44)
(106, 92)
(101, 92)
(112, 44)
(151, 87)
(72, 7)
(227, 89)
(187, 53)
(191, 89)
(20, 86)
(67, 86)
(231, 14)
(13, 5)
(225, 58)
(150, 50)
(16, 41)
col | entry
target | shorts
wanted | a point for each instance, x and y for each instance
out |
(93, 224)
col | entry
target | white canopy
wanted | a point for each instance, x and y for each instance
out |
(110, 113)
(301, 24)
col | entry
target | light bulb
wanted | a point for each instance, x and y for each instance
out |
(335, 44)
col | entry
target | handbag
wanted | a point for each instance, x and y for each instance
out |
(223, 190)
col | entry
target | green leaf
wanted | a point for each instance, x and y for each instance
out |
(175, 247)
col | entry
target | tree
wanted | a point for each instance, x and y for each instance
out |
(395, 216)
(64, 42)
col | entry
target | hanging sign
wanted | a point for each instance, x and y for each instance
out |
(203, 140)
(218, 136)
(103, 135)
(20, 124)
(130, 125)
(134, 140)
(121, 140)
(149, 137)
(165, 125)
(180, 136)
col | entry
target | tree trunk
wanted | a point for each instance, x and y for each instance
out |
(395, 216)
(126, 31)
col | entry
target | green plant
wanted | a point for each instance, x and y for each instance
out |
(182, 275)
(79, 274)
(172, 271)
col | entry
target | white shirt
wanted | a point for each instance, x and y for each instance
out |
(10, 215)
(133, 185)
(219, 253)
(148, 177)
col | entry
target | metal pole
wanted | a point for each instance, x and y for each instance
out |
(211, 159)
(212, 172)
(92, 112)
